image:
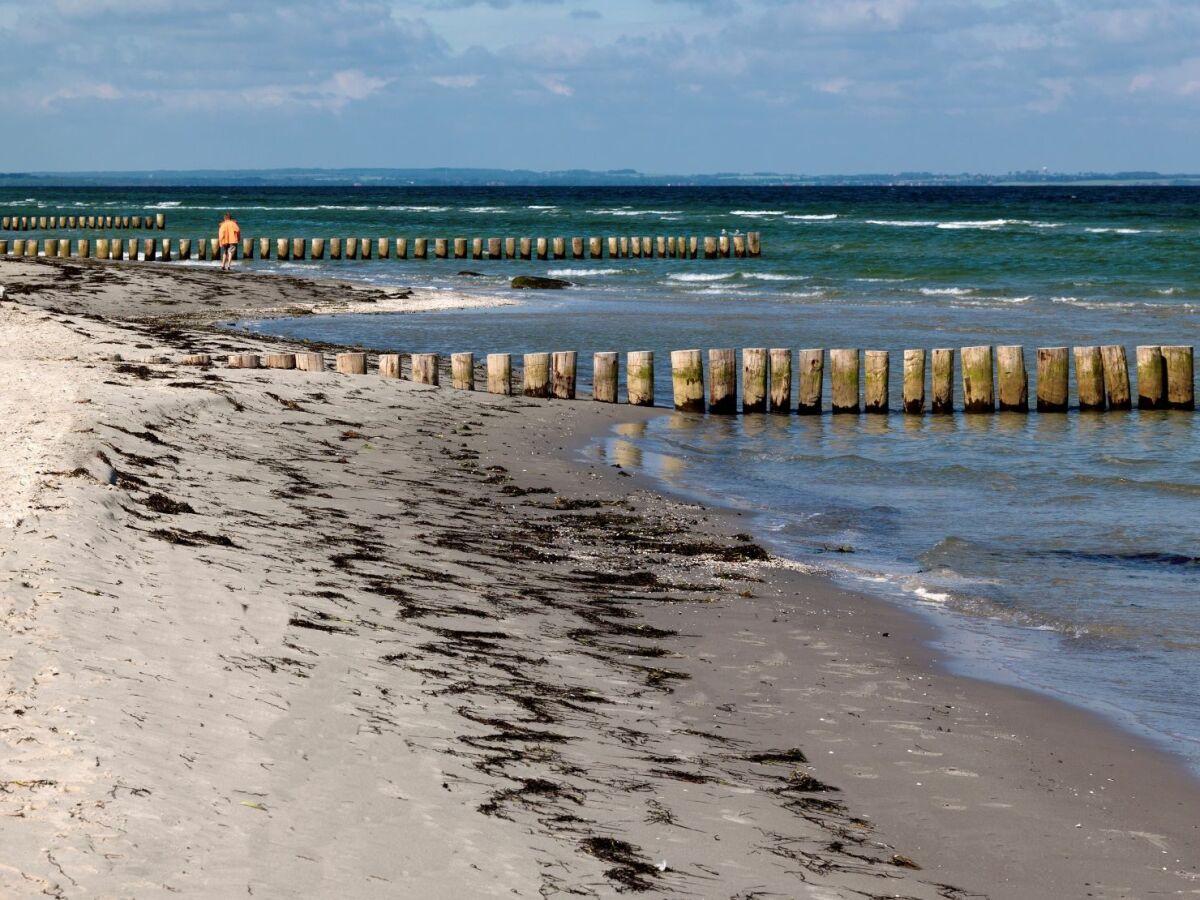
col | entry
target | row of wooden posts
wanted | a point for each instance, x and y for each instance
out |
(167, 249)
(46, 223)
(1165, 377)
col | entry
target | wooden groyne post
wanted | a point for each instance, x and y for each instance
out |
(499, 373)
(1053, 377)
(913, 384)
(843, 379)
(1180, 366)
(687, 378)
(536, 375)
(781, 380)
(425, 368)
(1089, 378)
(811, 382)
(562, 374)
(1014, 380)
(639, 377)
(978, 387)
(605, 376)
(462, 371)
(722, 381)
(876, 364)
(754, 379)
(1151, 378)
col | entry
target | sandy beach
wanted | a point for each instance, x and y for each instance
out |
(278, 633)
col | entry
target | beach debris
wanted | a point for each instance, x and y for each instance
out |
(903, 861)
(630, 869)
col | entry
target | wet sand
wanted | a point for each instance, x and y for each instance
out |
(290, 634)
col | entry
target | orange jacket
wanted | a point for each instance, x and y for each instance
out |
(229, 232)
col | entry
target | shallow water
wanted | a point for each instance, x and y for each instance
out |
(1057, 551)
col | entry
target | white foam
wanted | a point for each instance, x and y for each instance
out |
(485, 209)
(541, 207)
(166, 204)
(947, 292)
(902, 223)
(1113, 230)
(931, 596)
(754, 213)
(696, 276)
(560, 273)
(813, 218)
(771, 276)
(626, 211)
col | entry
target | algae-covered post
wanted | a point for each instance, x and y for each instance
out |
(525, 246)
(639, 377)
(781, 380)
(420, 248)
(351, 248)
(754, 379)
(876, 364)
(754, 243)
(164, 250)
(811, 371)
(1151, 377)
(979, 391)
(335, 248)
(160, 220)
(1089, 378)
(541, 246)
(401, 248)
(185, 248)
(351, 363)
(460, 248)
(687, 379)
(723, 246)
(913, 388)
(614, 247)
(1053, 376)
(1181, 389)
(510, 248)
(389, 365)
(499, 373)
(843, 379)
(535, 379)
(722, 381)
(364, 248)
(739, 245)
(298, 248)
(148, 247)
(494, 247)
(247, 248)
(439, 248)
(1116, 376)
(282, 249)
(559, 248)
(425, 368)
(576, 248)
(562, 375)
(477, 248)
(710, 248)
(605, 376)
(316, 249)
(264, 248)
(1013, 379)
(462, 371)
(942, 381)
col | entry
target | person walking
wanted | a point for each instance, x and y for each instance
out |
(228, 236)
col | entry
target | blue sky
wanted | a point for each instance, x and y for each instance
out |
(812, 86)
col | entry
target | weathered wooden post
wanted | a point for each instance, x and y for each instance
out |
(1151, 378)
(64, 247)
(335, 248)
(542, 248)
(389, 365)
(510, 248)
(739, 246)
(4, 247)
(196, 359)
(462, 371)
(843, 379)
(811, 378)
(310, 362)
(639, 377)
(710, 248)
(282, 249)
(647, 247)
(108, 222)
(635, 247)
(18, 246)
(185, 248)
(723, 245)
(42, 223)
(614, 247)
(351, 249)
(623, 247)
(214, 249)
(754, 379)
(754, 243)
(1181, 387)
(595, 248)
(562, 382)
(420, 248)
(460, 248)
(876, 365)
(316, 249)
(247, 248)
(401, 248)
(299, 248)
(1013, 379)
(558, 248)
(1116, 376)
(979, 393)
(148, 249)
(281, 360)
(781, 379)
(722, 382)
(476, 248)
(136, 222)
(1053, 377)
(536, 375)
(244, 361)
(351, 363)
(687, 380)
(576, 248)
(364, 248)
(1089, 378)
(914, 382)
(116, 249)
(494, 249)
(526, 248)
(164, 250)
(499, 373)
(942, 381)
(671, 246)
(160, 221)
(605, 376)
(383, 248)
(131, 249)
(660, 246)
(264, 248)
(425, 368)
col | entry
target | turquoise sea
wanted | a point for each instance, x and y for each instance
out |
(1059, 552)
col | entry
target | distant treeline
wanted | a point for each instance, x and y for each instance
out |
(565, 178)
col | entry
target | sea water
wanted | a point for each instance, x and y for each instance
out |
(1059, 552)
